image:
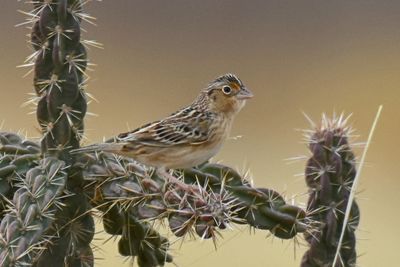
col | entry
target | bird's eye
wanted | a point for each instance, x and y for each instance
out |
(227, 90)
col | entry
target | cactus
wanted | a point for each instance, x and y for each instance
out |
(31, 212)
(330, 173)
(58, 80)
(17, 156)
(48, 194)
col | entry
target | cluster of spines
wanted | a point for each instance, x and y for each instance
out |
(330, 173)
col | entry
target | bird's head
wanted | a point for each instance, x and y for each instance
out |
(227, 94)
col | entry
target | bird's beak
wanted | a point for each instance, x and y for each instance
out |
(244, 93)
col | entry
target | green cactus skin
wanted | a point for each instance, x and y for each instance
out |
(330, 173)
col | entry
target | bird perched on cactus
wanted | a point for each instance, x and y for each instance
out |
(187, 137)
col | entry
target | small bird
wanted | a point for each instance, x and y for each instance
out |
(188, 137)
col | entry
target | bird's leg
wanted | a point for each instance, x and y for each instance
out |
(169, 178)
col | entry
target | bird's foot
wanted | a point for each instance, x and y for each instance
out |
(169, 178)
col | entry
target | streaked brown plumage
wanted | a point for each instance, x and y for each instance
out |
(187, 137)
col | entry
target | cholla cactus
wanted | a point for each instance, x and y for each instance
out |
(330, 173)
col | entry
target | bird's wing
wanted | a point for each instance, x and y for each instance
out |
(187, 126)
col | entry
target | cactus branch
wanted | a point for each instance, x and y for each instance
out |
(214, 197)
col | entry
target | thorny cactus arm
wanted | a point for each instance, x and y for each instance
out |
(260, 208)
(106, 176)
(330, 173)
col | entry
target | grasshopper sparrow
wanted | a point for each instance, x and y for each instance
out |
(187, 137)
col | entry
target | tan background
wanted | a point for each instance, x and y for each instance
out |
(311, 56)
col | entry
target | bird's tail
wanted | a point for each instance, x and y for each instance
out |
(106, 147)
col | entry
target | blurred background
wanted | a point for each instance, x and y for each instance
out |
(311, 56)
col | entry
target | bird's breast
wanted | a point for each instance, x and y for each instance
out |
(195, 154)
